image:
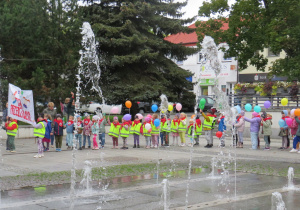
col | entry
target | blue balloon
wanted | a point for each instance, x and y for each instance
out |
(281, 123)
(248, 107)
(238, 108)
(257, 109)
(154, 108)
(156, 122)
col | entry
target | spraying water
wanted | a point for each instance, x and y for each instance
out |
(277, 202)
(87, 176)
(290, 177)
(165, 197)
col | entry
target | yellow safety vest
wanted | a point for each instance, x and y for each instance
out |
(124, 132)
(12, 132)
(190, 133)
(165, 127)
(114, 130)
(174, 127)
(145, 132)
(198, 130)
(40, 132)
(154, 129)
(181, 127)
(209, 125)
(135, 128)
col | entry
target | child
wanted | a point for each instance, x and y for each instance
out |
(154, 132)
(124, 132)
(198, 130)
(95, 131)
(297, 138)
(87, 124)
(57, 129)
(70, 127)
(11, 130)
(114, 131)
(254, 128)
(182, 128)
(78, 136)
(191, 130)
(147, 133)
(293, 126)
(47, 137)
(207, 125)
(266, 120)
(222, 128)
(102, 123)
(174, 129)
(165, 130)
(39, 132)
(284, 130)
(136, 130)
(240, 127)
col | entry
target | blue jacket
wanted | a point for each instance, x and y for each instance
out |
(58, 130)
(69, 127)
(222, 125)
(48, 129)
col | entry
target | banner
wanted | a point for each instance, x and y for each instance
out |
(20, 104)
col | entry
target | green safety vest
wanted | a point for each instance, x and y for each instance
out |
(198, 130)
(135, 128)
(40, 132)
(154, 129)
(114, 130)
(190, 133)
(12, 132)
(165, 127)
(181, 127)
(124, 132)
(208, 124)
(145, 132)
(174, 127)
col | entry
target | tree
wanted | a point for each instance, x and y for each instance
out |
(134, 57)
(253, 26)
(40, 42)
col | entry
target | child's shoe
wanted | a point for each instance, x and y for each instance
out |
(57, 150)
(52, 146)
(138, 146)
(96, 148)
(155, 146)
(42, 155)
(298, 152)
(267, 148)
(37, 156)
(80, 148)
(13, 151)
(93, 148)
(294, 150)
(89, 147)
(134, 146)
(83, 147)
(47, 149)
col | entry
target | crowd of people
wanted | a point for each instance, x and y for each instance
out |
(91, 130)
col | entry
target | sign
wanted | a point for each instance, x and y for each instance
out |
(260, 77)
(20, 104)
(205, 82)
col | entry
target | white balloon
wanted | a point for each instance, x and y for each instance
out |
(148, 126)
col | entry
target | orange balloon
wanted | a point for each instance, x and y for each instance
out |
(297, 112)
(193, 116)
(128, 104)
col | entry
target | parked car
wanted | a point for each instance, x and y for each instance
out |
(209, 102)
(94, 107)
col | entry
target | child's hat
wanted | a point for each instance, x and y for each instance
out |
(254, 114)
(115, 118)
(58, 115)
(41, 115)
(243, 113)
(147, 119)
(178, 115)
(209, 111)
(86, 114)
(95, 117)
(162, 116)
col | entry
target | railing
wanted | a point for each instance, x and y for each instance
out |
(242, 100)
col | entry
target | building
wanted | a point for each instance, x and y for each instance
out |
(200, 67)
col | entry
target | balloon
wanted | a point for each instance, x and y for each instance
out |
(154, 108)
(147, 126)
(127, 117)
(281, 123)
(284, 101)
(149, 115)
(114, 110)
(192, 117)
(257, 109)
(202, 103)
(297, 112)
(219, 134)
(128, 104)
(293, 111)
(248, 107)
(170, 108)
(238, 108)
(289, 121)
(156, 122)
(140, 116)
(178, 107)
(267, 104)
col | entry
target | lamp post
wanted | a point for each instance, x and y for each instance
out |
(1, 59)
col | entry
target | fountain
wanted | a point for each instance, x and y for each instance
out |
(290, 178)
(87, 176)
(277, 202)
(165, 197)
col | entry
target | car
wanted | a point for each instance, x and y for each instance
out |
(94, 107)
(209, 102)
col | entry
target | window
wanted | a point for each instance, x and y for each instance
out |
(223, 88)
(201, 58)
(179, 62)
(227, 59)
(271, 54)
(210, 100)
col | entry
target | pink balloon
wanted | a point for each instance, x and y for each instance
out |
(293, 111)
(114, 110)
(178, 107)
(288, 121)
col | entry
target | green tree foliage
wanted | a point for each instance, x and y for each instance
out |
(253, 26)
(135, 59)
(40, 42)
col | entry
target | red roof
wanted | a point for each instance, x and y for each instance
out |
(188, 39)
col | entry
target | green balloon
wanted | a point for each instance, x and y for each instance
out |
(202, 103)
